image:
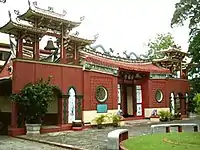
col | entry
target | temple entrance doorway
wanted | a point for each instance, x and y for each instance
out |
(130, 91)
(131, 100)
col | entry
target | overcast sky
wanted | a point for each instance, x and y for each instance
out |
(121, 24)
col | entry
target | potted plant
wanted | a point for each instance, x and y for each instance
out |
(33, 101)
(115, 120)
(176, 116)
(164, 115)
(99, 120)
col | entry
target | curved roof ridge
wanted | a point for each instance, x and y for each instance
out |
(48, 13)
(115, 58)
(134, 66)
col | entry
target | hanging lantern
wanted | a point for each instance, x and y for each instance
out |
(50, 45)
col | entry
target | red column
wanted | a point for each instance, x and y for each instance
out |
(62, 49)
(124, 100)
(20, 48)
(12, 130)
(36, 51)
(76, 51)
(60, 111)
(14, 115)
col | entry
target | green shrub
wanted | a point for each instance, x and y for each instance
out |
(164, 115)
(115, 119)
(100, 119)
(196, 100)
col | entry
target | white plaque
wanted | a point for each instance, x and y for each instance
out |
(139, 110)
(119, 94)
(138, 94)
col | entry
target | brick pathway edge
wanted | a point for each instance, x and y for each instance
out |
(51, 143)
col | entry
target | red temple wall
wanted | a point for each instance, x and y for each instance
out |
(86, 83)
(63, 76)
(91, 81)
(177, 85)
(166, 86)
(145, 91)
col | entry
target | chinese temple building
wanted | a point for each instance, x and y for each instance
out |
(92, 82)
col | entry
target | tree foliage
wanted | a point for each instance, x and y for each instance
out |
(196, 102)
(161, 41)
(189, 10)
(193, 51)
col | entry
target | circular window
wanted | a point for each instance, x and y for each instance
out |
(10, 69)
(159, 95)
(101, 94)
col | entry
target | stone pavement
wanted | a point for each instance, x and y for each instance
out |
(9, 143)
(91, 139)
(96, 139)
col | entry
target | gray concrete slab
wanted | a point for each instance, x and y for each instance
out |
(10, 143)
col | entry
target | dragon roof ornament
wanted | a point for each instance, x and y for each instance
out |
(110, 54)
(50, 10)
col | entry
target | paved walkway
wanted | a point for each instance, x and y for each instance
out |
(9, 143)
(96, 139)
(91, 139)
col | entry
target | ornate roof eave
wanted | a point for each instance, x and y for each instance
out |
(165, 60)
(81, 40)
(172, 50)
(123, 65)
(10, 26)
(4, 45)
(42, 13)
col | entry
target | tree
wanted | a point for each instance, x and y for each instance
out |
(189, 10)
(161, 41)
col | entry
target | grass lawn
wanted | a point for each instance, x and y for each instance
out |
(166, 141)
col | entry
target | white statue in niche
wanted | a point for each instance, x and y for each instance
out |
(71, 105)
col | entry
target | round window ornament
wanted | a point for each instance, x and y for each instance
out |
(10, 69)
(159, 95)
(101, 94)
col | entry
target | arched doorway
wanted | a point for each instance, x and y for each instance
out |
(172, 103)
(71, 105)
(181, 104)
(51, 117)
(177, 104)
